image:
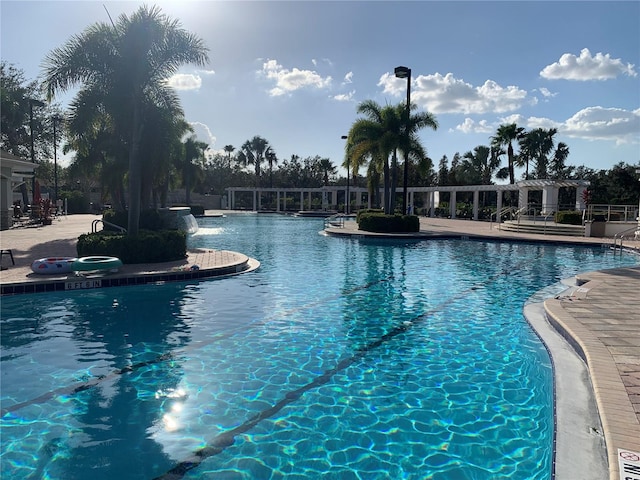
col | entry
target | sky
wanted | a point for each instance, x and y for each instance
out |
(295, 72)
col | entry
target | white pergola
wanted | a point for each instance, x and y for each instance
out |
(550, 189)
(14, 171)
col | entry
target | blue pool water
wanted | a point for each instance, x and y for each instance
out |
(340, 358)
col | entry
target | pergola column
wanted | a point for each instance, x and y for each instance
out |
(523, 197)
(549, 199)
(278, 201)
(452, 204)
(476, 199)
(255, 200)
(580, 205)
(498, 205)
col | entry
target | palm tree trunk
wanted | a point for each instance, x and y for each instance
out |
(394, 182)
(387, 183)
(135, 172)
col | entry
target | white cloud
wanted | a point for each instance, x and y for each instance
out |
(592, 123)
(348, 78)
(587, 67)
(207, 72)
(471, 126)
(203, 133)
(546, 92)
(447, 94)
(344, 97)
(288, 81)
(185, 81)
(599, 123)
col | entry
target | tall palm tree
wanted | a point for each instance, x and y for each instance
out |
(229, 149)
(272, 159)
(127, 64)
(505, 136)
(252, 153)
(558, 165)
(193, 150)
(536, 145)
(328, 169)
(382, 133)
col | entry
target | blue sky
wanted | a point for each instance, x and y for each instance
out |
(294, 72)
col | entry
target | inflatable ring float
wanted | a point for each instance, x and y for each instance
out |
(53, 265)
(92, 264)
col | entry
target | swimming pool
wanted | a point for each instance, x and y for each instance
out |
(349, 358)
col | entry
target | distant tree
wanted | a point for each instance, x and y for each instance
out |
(505, 136)
(252, 153)
(558, 168)
(272, 159)
(328, 170)
(443, 171)
(229, 149)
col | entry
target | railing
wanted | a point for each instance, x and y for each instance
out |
(612, 213)
(546, 217)
(499, 214)
(621, 235)
(336, 220)
(94, 226)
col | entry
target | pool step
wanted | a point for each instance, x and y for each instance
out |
(542, 228)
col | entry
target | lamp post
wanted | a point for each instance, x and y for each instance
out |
(344, 137)
(33, 102)
(56, 119)
(405, 72)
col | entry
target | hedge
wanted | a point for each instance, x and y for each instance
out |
(571, 217)
(381, 223)
(146, 247)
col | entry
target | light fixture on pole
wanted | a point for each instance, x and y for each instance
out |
(405, 72)
(56, 119)
(344, 137)
(37, 103)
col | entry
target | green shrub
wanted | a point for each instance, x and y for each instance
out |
(146, 247)
(381, 223)
(570, 217)
(366, 211)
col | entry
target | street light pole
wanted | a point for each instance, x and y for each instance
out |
(56, 119)
(33, 102)
(344, 137)
(405, 72)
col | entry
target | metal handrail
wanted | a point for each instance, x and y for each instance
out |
(621, 235)
(94, 225)
(544, 229)
(498, 214)
(336, 220)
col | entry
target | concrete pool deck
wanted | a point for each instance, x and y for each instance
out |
(599, 319)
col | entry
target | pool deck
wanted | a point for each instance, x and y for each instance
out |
(600, 318)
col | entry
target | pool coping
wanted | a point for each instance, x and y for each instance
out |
(200, 264)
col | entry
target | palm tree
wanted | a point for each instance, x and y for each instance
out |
(328, 169)
(558, 166)
(536, 145)
(193, 150)
(505, 136)
(272, 159)
(229, 149)
(383, 132)
(252, 153)
(125, 66)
